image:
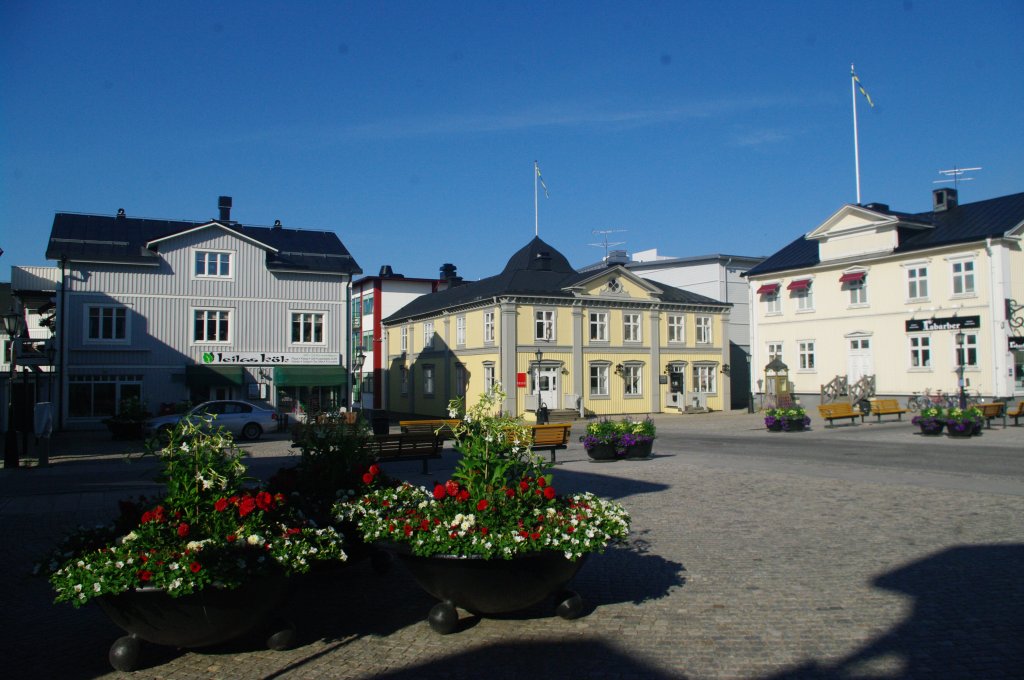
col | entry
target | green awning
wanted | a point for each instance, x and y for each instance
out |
(214, 376)
(310, 376)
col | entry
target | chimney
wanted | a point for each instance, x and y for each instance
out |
(277, 224)
(120, 213)
(616, 257)
(224, 204)
(943, 199)
(386, 272)
(449, 275)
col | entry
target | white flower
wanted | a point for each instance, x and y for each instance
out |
(130, 536)
(96, 587)
(254, 539)
(119, 564)
(78, 587)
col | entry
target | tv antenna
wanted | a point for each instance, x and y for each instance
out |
(955, 175)
(605, 244)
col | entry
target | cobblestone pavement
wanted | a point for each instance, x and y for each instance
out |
(871, 554)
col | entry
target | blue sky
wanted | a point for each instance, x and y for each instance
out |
(411, 128)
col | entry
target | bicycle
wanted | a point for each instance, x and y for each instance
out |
(917, 401)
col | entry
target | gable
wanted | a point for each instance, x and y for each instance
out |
(216, 228)
(855, 231)
(616, 283)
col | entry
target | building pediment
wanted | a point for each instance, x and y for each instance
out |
(209, 226)
(615, 283)
(858, 231)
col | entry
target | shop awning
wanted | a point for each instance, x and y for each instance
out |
(214, 376)
(768, 289)
(799, 284)
(852, 276)
(310, 376)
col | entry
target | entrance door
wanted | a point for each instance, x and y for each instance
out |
(547, 386)
(859, 361)
(677, 385)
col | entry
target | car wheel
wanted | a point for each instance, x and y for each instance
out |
(252, 431)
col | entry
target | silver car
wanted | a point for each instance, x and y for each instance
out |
(244, 420)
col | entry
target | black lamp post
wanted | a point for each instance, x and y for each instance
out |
(960, 368)
(12, 323)
(539, 356)
(357, 363)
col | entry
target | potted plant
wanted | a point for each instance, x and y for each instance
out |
(129, 421)
(496, 537)
(636, 438)
(964, 422)
(601, 440)
(791, 419)
(203, 563)
(931, 420)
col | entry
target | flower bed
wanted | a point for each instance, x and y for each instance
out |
(786, 419)
(626, 438)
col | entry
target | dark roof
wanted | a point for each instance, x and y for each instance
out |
(103, 238)
(537, 270)
(990, 218)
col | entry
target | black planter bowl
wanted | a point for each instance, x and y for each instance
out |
(209, 617)
(493, 586)
(602, 453)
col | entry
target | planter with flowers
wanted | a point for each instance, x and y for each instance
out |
(964, 422)
(931, 420)
(206, 562)
(636, 438)
(792, 419)
(601, 440)
(496, 537)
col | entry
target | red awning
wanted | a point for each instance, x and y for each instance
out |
(852, 276)
(799, 284)
(768, 289)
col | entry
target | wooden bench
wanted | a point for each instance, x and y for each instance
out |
(1016, 413)
(439, 427)
(839, 411)
(401, 446)
(550, 437)
(996, 409)
(886, 407)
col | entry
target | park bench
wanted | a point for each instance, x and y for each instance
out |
(886, 407)
(550, 437)
(1017, 412)
(403, 446)
(839, 411)
(441, 428)
(996, 409)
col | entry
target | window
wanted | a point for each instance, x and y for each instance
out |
(100, 396)
(963, 278)
(631, 327)
(805, 349)
(704, 376)
(917, 283)
(773, 302)
(920, 351)
(599, 380)
(428, 334)
(428, 380)
(404, 386)
(367, 343)
(544, 324)
(460, 380)
(858, 292)
(774, 351)
(460, 331)
(488, 326)
(307, 328)
(704, 330)
(489, 380)
(108, 323)
(804, 299)
(633, 375)
(211, 325)
(367, 305)
(211, 264)
(970, 349)
(599, 327)
(405, 338)
(676, 328)
(858, 344)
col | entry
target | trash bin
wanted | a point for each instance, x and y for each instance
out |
(865, 407)
(542, 415)
(380, 422)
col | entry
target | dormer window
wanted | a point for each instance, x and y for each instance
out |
(212, 264)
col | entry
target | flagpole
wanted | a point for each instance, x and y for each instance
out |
(856, 145)
(536, 213)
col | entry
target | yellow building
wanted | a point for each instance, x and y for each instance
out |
(910, 300)
(598, 342)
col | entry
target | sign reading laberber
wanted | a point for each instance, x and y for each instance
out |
(270, 359)
(951, 323)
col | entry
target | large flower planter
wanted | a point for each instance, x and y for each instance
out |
(639, 450)
(793, 425)
(209, 617)
(961, 430)
(931, 429)
(492, 586)
(602, 452)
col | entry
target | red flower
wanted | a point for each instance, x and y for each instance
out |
(375, 469)
(408, 530)
(484, 531)
(183, 530)
(439, 492)
(247, 505)
(147, 517)
(367, 478)
(541, 482)
(145, 575)
(482, 505)
(221, 505)
(291, 531)
(425, 525)
(451, 487)
(264, 501)
(195, 567)
(524, 485)
(510, 493)
(535, 536)
(230, 538)
(463, 495)
(549, 492)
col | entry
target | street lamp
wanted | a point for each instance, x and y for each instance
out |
(960, 368)
(357, 363)
(12, 323)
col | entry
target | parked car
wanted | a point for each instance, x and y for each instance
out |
(245, 420)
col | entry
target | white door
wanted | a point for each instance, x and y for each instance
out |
(859, 361)
(547, 386)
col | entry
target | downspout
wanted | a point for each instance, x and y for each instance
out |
(61, 355)
(348, 344)
(998, 356)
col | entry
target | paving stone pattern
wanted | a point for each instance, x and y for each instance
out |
(732, 571)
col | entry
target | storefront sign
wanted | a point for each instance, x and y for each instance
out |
(520, 380)
(270, 359)
(950, 323)
(1016, 343)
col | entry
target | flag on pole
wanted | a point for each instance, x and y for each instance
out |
(860, 87)
(541, 178)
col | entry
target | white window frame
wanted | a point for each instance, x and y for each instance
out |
(676, 328)
(316, 321)
(599, 373)
(460, 331)
(858, 292)
(599, 327)
(544, 324)
(774, 350)
(218, 256)
(489, 327)
(804, 298)
(205, 340)
(490, 378)
(970, 350)
(428, 335)
(964, 279)
(705, 378)
(404, 339)
(633, 380)
(403, 387)
(920, 352)
(703, 326)
(460, 380)
(805, 355)
(917, 282)
(773, 302)
(428, 380)
(114, 339)
(632, 325)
